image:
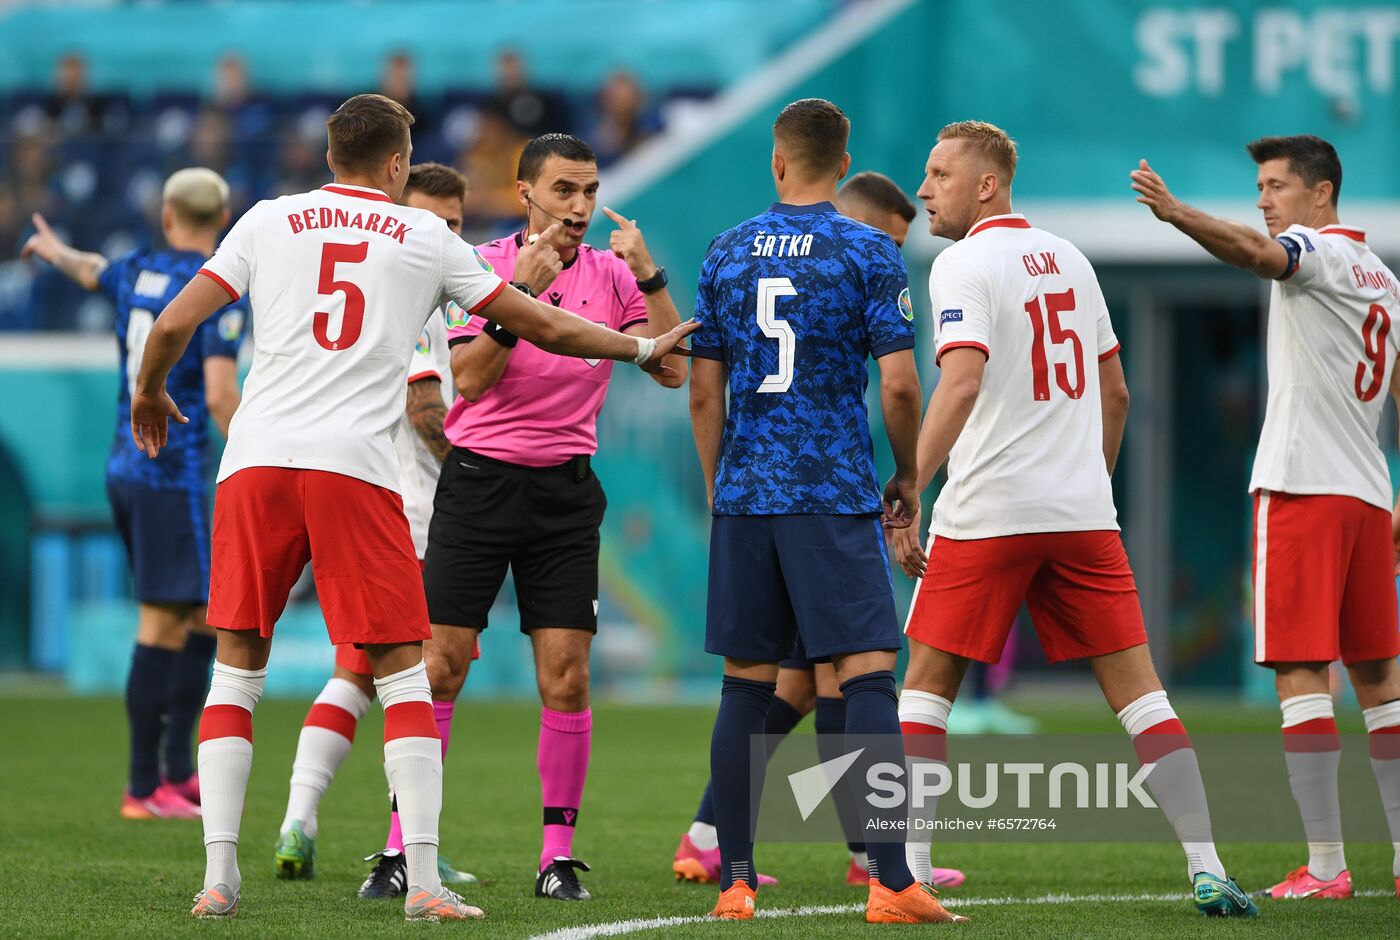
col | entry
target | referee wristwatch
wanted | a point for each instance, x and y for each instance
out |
(654, 283)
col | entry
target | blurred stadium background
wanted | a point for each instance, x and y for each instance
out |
(99, 101)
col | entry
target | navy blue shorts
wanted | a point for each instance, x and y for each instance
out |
(798, 658)
(822, 579)
(166, 533)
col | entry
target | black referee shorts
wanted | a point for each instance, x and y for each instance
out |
(542, 523)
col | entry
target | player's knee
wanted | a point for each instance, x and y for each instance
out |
(161, 625)
(1376, 681)
(446, 674)
(564, 688)
(798, 690)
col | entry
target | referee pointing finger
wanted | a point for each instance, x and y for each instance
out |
(517, 491)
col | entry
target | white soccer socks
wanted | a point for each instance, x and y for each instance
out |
(923, 718)
(1312, 752)
(413, 763)
(1383, 731)
(1175, 782)
(325, 740)
(225, 760)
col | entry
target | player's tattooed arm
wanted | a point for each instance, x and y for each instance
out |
(707, 414)
(83, 267)
(1231, 242)
(427, 414)
(1113, 391)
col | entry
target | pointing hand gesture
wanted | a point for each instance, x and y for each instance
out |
(627, 243)
(43, 242)
(1153, 193)
(538, 262)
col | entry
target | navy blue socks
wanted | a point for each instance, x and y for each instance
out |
(743, 712)
(831, 727)
(872, 708)
(782, 718)
(189, 684)
(147, 690)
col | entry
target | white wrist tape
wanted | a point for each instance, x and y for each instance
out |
(645, 347)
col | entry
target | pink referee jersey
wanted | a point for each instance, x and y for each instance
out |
(544, 408)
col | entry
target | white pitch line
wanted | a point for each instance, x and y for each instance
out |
(621, 927)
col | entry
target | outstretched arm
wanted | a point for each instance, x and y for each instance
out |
(84, 267)
(1231, 242)
(566, 334)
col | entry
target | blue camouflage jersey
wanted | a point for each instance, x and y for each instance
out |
(794, 301)
(141, 284)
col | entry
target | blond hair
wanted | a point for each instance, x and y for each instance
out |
(989, 140)
(198, 196)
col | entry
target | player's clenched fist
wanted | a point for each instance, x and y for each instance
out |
(538, 263)
(627, 243)
(1153, 193)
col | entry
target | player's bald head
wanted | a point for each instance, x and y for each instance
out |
(197, 197)
(811, 135)
(986, 143)
(365, 131)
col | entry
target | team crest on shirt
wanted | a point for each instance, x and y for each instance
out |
(456, 316)
(482, 258)
(950, 316)
(906, 305)
(231, 325)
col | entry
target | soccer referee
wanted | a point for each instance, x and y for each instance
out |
(517, 491)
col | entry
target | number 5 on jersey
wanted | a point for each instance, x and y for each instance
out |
(769, 290)
(354, 317)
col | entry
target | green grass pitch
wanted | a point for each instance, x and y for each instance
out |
(70, 866)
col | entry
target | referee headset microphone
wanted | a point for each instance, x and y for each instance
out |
(566, 222)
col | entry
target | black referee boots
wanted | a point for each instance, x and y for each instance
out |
(559, 880)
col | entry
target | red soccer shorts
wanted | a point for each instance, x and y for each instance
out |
(1324, 580)
(270, 521)
(1078, 586)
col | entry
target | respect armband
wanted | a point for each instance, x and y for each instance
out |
(500, 334)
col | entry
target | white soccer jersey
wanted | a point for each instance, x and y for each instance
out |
(341, 281)
(1332, 348)
(1031, 456)
(418, 467)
